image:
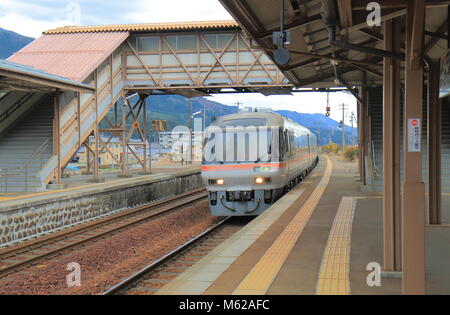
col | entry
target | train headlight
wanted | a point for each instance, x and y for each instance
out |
(216, 181)
(262, 180)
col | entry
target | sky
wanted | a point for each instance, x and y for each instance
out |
(32, 17)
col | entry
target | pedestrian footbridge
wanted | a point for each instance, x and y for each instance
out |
(45, 128)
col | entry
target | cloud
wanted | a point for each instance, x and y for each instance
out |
(27, 26)
(31, 18)
(176, 11)
(304, 102)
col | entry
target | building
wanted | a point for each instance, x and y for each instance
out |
(178, 142)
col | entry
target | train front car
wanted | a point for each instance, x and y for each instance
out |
(251, 158)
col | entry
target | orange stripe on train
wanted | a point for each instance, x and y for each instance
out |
(227, 167)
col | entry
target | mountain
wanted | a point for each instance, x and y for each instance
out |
(10, 42)
(323, 127)
(175, 109)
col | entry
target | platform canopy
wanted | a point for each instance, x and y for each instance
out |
(19, 78)
(331, 42)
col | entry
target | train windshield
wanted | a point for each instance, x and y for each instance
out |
(239, 144)
(245, 122)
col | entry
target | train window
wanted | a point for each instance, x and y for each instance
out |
(292, 142)
(245, 122)
(283, 146)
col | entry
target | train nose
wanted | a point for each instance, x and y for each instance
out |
(240, 195)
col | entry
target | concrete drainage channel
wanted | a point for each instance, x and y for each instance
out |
(20, 220)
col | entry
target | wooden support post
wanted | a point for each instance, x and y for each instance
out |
(149, 143)
(360, 163)
(434, 143)
(79, 117)
(124, 137)
(364, 142)
(144, 131)
(391, 152)
(96, 133)
(115, 115)
(57, 136)
(88, 156)
(413, 186)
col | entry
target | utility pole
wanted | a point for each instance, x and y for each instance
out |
(343, 107)
(353, 134)
(237, 105)
(343, 128)
(318, 140)
(204, 120)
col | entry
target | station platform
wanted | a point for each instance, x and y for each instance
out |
(29, 215)
(79, 183)
(318, 239)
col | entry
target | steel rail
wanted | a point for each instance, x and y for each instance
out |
(123, 285)
(196, 195)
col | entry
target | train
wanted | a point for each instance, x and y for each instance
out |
(252, 158)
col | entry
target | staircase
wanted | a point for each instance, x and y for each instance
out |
(25, 148)
(376, 149)
(376, 118)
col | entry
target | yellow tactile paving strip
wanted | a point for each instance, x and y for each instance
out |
(334, 270)
(259, 279)
(197, 278)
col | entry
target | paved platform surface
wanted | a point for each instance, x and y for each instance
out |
(317, 239)
(78, 184)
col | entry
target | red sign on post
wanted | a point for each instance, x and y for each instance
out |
(414, 135)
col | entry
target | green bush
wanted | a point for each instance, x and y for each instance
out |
(351, 153)
(330, 148)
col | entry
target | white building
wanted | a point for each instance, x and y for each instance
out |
(178, 142)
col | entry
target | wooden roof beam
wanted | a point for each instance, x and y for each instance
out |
(351, 89)
(341, 69)
(361, 5)
(345, 13)
(303, 21)
(434, 40)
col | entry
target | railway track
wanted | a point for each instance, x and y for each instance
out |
(18, 257)
(149, 279)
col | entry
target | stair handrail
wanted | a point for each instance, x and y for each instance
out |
(374, 161)
(37, 153)
(4, 115)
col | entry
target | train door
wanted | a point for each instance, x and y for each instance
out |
(309, 150)
(287, 150)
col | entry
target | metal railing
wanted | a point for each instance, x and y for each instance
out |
(376, 171)
(14, 172)
(4, 115)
